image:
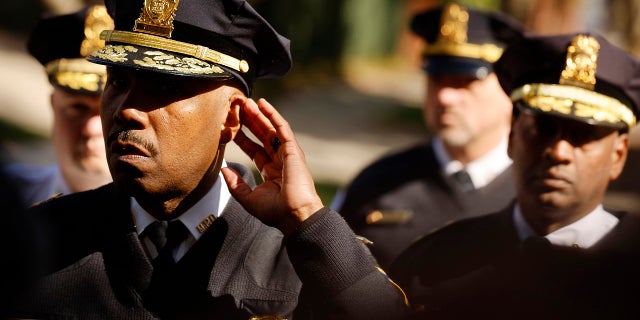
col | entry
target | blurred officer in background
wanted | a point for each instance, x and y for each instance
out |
(61, 44)
(555, 252)
(463, 170)
(181, 233)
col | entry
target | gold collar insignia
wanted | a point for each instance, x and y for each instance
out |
(206, 223)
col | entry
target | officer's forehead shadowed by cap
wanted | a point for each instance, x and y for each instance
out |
(225, 40)
(580, 76)
(463, 41)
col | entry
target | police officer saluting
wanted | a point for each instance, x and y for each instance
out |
(181, 233)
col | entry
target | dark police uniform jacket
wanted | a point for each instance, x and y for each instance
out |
(239, 268)
(416, 198)
(479, 268)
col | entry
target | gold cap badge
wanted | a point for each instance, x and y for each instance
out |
(157, 17)
(452, 37)
(581, 63)
(454, 24)
(97, 20)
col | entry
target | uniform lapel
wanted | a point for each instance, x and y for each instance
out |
(128, 267)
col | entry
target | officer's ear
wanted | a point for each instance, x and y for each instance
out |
(232, 123)
(619, 155)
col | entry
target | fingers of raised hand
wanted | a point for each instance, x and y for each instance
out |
(280, 125)
(236, 184)
(261, 126)
(255, 151)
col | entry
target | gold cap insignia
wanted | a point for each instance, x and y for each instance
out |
(77, 74)
(581, 63)
(452, 37)
(267, 317)
(575, 101)
(453, 25)
(157, 17)
(574, 95)
(97, 20)
(119, 53)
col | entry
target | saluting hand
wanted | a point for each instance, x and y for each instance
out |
(287, 196)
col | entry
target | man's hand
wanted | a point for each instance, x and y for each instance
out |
(287, 196)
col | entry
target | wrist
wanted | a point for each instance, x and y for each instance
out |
(298, 217)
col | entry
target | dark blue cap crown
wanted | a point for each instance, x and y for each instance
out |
(197, 38)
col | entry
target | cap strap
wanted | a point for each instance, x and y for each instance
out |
(197, 51)
(571, 100)
(488, 52)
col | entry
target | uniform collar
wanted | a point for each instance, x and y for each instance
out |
(582, 233)
(195, 218)
(482, 170)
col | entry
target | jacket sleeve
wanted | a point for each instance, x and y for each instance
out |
(340, 277)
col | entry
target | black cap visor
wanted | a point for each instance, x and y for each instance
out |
(452, 65)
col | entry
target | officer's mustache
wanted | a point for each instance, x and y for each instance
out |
(129, 137)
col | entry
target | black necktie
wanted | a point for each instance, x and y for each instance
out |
(536, 245)
(166, 236)
(463, 179)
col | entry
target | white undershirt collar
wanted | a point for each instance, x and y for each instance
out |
(583, 233)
